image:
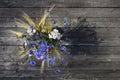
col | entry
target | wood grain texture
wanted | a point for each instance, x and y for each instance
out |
(94, 49)
(66, 12)
(93, 22)
(60, 3)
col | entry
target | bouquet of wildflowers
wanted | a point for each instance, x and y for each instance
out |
(42, 42)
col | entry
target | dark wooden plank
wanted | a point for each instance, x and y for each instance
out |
(82, 73)
(70, 12)
(89, 19)
(92, 22)
(66, 78)
(77, 57)
(60, 3)
(81, 76)
(90, 62)
(41, 78)
(86, 68)
(72, 65)
(78, 50)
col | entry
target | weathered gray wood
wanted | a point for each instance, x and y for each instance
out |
(70, 12)
(71, 66)
(60, 3)
(83, 74)
(93, 22)
(114, 50)
(61, 78)
(90, 59)
(83, 57)
(89, 19)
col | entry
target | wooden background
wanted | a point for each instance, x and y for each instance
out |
(95, 49)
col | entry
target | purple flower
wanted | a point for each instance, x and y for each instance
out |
(50, 46)
(42, 49)
(31, 52)
(64, 48)
(37, 37)
(45, 58)
(57, 71)
(31, 26)
(38, 56)
(43, 44)
(66, 24)
(32, 63)
(31, 44)
(51, 62)
(52, 57)
(35, 44)
(28, 41)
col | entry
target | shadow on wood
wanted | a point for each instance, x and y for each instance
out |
(83, 37)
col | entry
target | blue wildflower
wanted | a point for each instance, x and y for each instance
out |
(43, 47)
(44, 50)
(32, 63)
(28, 41)
(35, 44)
(51, 62)
(43, 44)
(52, 57)
(32, 44)
(50, 46)
(29, 45)
(66, 24)
(39, 52)
(45, 58)
(31, 26)
(38, 56)
(64, 48)
(31, 52)
(37, 37)
(57, 71)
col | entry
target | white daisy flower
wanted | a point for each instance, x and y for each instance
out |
(31, 32)
(34, 31)
(55, 30)
(55, 34)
